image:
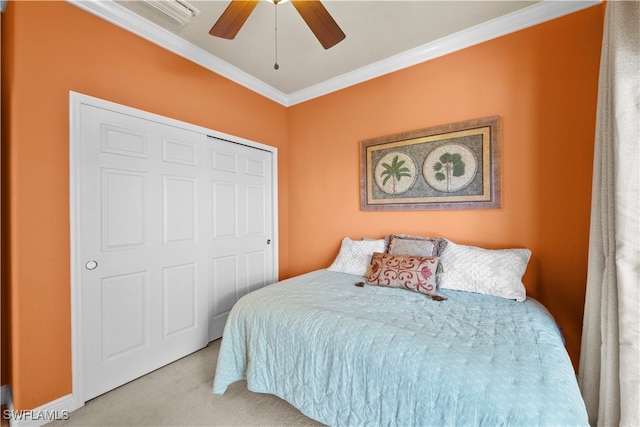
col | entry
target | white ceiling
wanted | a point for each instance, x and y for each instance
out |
(382, 36)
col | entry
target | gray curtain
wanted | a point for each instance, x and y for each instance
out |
(609, 369)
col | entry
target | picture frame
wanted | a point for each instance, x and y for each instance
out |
(448, 167)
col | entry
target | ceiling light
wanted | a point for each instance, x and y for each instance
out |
(178, 10)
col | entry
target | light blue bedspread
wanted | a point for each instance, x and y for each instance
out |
(372, 356)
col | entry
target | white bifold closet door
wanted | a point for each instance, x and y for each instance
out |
(175, 227)
(242, 251)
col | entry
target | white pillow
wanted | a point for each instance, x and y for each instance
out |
(496, 272)
(355, 255)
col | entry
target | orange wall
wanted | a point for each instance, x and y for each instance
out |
(50, 48)
(541, 81)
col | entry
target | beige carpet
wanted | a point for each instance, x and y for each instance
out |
(180, 394)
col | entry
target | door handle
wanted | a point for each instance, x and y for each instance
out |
(91, 265)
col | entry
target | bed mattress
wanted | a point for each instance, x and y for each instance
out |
(348, 355)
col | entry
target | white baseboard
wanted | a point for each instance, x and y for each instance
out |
(4, 395)
(59, 409)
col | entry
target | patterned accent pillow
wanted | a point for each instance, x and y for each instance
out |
(415, 273)
(496, 272)
(355, 255)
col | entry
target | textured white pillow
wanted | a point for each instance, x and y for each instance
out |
(355, 255)
(496, 272)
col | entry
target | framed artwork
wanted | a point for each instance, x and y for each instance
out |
(455, 166)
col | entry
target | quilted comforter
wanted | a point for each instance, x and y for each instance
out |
(346, 355)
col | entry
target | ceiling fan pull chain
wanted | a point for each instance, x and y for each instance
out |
(275, 5)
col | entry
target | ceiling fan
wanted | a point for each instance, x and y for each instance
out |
(316, 16)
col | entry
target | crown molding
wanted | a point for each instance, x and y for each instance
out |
(515, 21)
(536, 14)
(123, 18)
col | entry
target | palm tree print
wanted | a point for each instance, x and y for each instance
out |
(395, 171)
(450, 165)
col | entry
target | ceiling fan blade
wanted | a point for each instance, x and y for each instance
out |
(320, 22)
(232, 19)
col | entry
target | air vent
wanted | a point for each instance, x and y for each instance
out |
(178, 10)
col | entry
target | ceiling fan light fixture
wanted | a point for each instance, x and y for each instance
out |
(314, 14)
(178, 10)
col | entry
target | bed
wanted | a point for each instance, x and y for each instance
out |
(347, 354)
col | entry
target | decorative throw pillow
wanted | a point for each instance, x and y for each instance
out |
(355, 255)
(402, 244)
(496, 272)
(421, 247)
(415, 273)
